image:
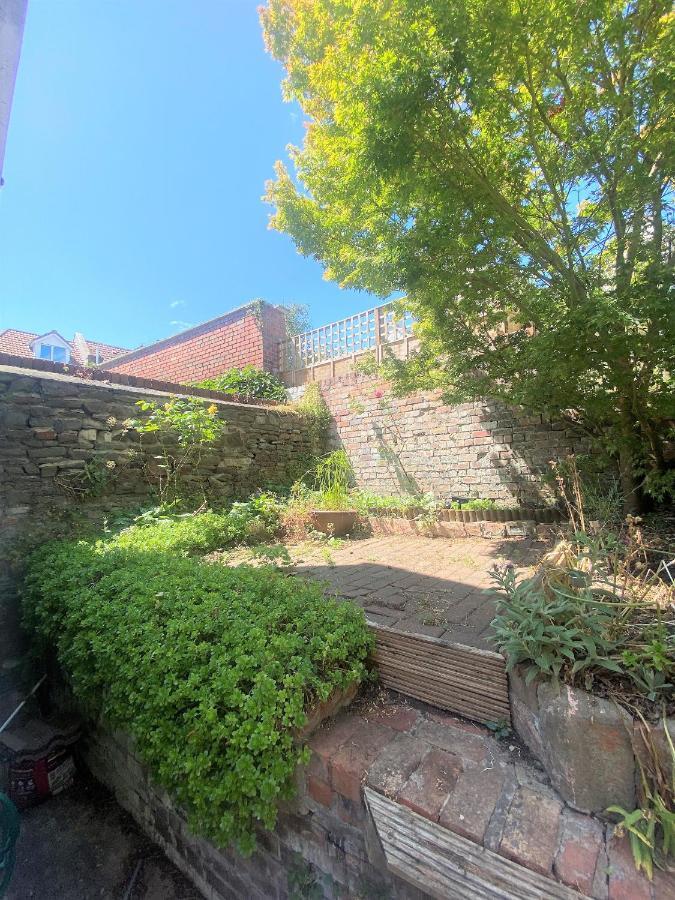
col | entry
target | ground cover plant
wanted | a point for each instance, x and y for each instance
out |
(211, 669)
(594, 617)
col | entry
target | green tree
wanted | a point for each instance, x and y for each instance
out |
(499, 162)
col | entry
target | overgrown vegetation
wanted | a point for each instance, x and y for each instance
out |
(247, 383)
(210, 669)
(180, 429)
(594, 616)
(332, 477)
(163, 529)
(313, 408)
(651, 827)
(599, 615)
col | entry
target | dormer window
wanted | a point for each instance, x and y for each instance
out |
(51, 346)
(53, 352)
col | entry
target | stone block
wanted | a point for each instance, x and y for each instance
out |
(581, 842)
(587, 748)
(319, 790)
(347, 767)
(470, 747)
(625, 882)
(394, 766)
(471, 804)
(325, 742)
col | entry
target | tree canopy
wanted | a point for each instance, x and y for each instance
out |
(498, 162)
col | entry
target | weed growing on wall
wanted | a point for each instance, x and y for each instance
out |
(211, 669)
(247, 383)
(317, 417)
(182, 428)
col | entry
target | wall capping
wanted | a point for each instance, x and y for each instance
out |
(104, 378)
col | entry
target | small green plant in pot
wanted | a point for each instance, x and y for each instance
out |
(334, 513)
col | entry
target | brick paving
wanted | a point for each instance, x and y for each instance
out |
(457, 774)
(431, 586)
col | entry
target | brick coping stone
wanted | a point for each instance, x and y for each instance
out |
(457, 774)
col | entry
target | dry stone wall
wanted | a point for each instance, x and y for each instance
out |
(53, 426)
(418, 443)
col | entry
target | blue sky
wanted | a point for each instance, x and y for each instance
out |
(141, 137)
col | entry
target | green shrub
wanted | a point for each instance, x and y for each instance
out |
(591, 616)
(253, 520)
(181, 427)
(195, 533)
(249, 383)
(313, 408)
(209, 668)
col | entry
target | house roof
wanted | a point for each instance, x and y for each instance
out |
(18, 343)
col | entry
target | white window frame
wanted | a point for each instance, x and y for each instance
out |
(52, 348)
(53, 341)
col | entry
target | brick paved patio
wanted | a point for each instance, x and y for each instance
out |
(430, 586)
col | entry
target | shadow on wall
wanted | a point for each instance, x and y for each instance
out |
(386, 449)
(418, 444)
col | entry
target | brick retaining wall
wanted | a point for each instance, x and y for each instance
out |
(418, 443)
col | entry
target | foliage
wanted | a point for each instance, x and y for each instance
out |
(476, 503)
(651, 827)
(209, 668)
(202, 532)
(297, 318)
(182, 427)
(247, 383)
(592, 615)
(501, 729)
(368, 502)
(92, 480)
(332, 476)
(506, 167)
(591, 491)
(313, 408)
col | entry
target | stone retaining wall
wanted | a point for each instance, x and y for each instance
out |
(418, 443)
(53, 426)
(591, 747)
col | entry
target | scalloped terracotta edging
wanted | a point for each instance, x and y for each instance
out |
(516, 514)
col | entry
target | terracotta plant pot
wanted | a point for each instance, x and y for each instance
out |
(336, 522)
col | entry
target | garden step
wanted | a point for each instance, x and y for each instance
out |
(455, 677)
(446, 865)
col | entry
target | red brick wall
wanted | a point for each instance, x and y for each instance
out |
(418, 443)
(243, 337)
